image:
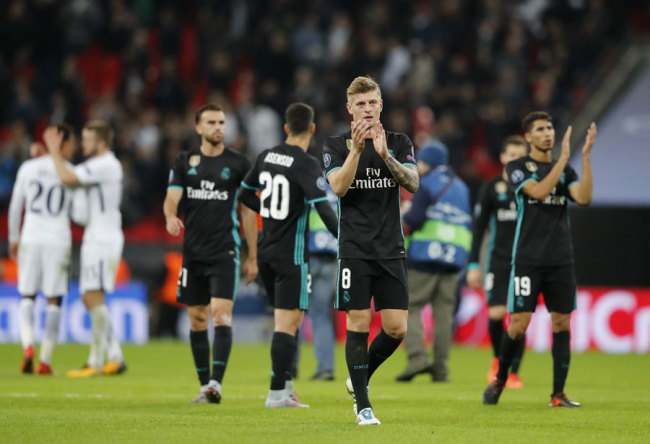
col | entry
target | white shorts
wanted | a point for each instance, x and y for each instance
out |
(99, 262)
(43, 267)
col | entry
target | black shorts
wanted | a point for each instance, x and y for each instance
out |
(197, 283)
(496, 284)
(359, 280)
(287, 284)
(557, 283)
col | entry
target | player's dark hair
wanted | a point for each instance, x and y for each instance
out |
(513, 140)
(65, 129)
(102, 129)
(299, 117)
(530, 118)
(204, 108)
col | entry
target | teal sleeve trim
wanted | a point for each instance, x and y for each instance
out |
(574, 182)
(318, 199)
(473, 266)
(522, 185)
(333, 169)
(176, 187)
(248, 187)
(410, 164)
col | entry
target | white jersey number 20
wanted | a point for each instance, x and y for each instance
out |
(275, 196)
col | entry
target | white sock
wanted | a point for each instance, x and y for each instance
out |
(276, 395)
(26, 316)
(288, 387)
(114, 351)
(99, 319)
(51, 333)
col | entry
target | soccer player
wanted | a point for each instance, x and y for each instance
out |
(101, 249)
(542, 253)
(42, 247)
(365, 168)
(206, 181)
(290, 181)
(496, 208)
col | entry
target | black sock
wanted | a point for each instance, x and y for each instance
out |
(561, 358)
(283, 349)
(380, 349)
(356, 356)
(221, 351)
(508, 349)
(516, 361)
(495, 328)
(201, 352)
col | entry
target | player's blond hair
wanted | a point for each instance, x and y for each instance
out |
(103, 130)
(363, 84)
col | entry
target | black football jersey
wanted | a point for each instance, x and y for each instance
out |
(542, 236)
(369, 213)
(209, 205)
(289, 181)
(495, 210)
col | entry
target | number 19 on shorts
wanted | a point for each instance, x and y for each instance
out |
(522, 286)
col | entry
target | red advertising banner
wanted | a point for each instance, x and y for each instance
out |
(612, 320)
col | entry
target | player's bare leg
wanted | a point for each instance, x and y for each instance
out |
(94, 302)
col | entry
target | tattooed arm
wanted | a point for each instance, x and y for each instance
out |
(404, 175)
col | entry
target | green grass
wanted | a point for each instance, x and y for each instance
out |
(150, 403)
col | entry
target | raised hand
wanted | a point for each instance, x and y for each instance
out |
(53, 139)
(566, 143)
(589, 139)
(359, 132)
(379, 140)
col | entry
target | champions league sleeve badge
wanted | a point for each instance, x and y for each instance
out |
(531, 166)
(517, 176)
(327, 159)
(348, 143)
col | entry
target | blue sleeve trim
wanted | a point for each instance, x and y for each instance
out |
(333, 169)
(473, 266)
(248, 187)
(318, 199)
(176, 187)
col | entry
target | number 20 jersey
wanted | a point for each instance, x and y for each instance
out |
(290, 180)
(47, 204)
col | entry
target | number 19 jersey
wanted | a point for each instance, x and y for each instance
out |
(290, 180)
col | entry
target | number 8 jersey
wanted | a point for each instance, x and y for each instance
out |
(47, 204)
(290, 180)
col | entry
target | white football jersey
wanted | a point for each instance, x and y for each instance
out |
(46, 201)
(101, 176)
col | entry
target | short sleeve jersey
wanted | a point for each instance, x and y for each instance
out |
(101, 176)
(46, 202)
(495, 209)
(542, 236)
(369, 213)
(210, 187)
(290, 180)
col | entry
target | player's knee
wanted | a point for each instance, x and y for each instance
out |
(561, 322)
(222, 318)
(55, 301)
(396, 331)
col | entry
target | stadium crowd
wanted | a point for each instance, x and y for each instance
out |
(461, 71)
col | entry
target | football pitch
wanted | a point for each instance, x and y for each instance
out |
(150, 402)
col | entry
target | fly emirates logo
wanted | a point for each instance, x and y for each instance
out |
(206, 192)
(373, 181)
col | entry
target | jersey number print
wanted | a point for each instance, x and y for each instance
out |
(277, 189)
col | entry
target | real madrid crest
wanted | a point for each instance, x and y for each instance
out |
(348, 143)
(531, 166)
(501, 187)
(195, 160)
